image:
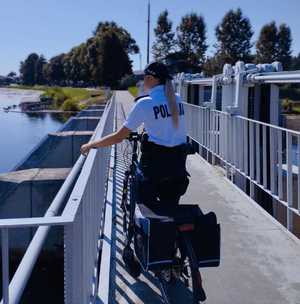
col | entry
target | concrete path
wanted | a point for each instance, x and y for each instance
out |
(260, 259)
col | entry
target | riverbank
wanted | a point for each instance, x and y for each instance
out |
(20, 132)
(67, 98)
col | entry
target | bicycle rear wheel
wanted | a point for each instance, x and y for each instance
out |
(197, 288)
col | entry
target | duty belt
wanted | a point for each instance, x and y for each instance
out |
(150, 147)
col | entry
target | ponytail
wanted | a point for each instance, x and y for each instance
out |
(171, 97)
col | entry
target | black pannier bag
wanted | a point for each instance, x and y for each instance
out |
(206, 235)
(206, 240)
(154, 238)
(156, 231)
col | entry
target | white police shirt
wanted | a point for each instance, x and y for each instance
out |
(154, 113)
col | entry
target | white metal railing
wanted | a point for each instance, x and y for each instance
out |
(86, 206)
(267, 155)
(81, 218)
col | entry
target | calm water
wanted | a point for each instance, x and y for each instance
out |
(19, 133)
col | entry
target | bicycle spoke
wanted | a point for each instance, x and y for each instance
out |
(163, 289)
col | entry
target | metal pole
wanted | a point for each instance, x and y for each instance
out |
(288, 77)
(148, 34)
(140, 56)
(5, 265)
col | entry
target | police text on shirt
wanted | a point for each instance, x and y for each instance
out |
(163, 112)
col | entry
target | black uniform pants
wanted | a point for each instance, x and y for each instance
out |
(163, 177)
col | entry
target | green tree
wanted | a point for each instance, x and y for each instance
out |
(39, 70)
(266, 45)
(234, 35)
(12, 74)
(82, 57)
(274, 44)
(295, 62)
(28, 69)
(114, 60)
(284, 43)
(164, 42)
(93, 59)
(191, 39)
(54, 70)
(84, 63)
(213, 65)
(128, 43)
(76, 64)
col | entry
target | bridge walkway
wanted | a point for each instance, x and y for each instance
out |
(260, 258)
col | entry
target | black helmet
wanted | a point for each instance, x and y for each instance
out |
(158, 70)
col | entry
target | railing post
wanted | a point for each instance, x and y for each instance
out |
(258, 150)
(240, 146)
(265, 178)
(273, 161)
(234, 141)
(246, 148)
(5, 265)
(227, 145)
(252, 158)
(280, 188)
(73, 238)
(213, 137)
(289, 182)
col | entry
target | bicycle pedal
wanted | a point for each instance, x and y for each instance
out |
(177, 268)
(133, 266)
(186, 282)
(166, 275)
(185, 272)
(176, 272)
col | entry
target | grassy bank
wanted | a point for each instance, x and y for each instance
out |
(67, 98)
(133, 91)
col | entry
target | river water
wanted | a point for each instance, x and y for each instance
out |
(20, 132)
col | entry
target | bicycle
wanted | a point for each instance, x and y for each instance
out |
(185, 264)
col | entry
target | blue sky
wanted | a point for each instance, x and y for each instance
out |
(50, 27)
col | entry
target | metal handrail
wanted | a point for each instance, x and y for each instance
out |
(241, 143)
(13, 292)
(277, 78)
(264, 77)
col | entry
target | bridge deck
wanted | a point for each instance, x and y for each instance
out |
(260, 259)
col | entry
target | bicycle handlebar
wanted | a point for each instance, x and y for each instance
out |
(134, 136)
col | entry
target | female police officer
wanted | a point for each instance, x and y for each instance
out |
(163, 155)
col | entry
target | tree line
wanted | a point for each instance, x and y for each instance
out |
(102, 59)
(187, 45)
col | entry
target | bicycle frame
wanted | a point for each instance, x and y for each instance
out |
(183, 230)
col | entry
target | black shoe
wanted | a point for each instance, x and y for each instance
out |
(131, 263)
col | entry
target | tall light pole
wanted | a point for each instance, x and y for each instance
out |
(148, 35)
(140, 55)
